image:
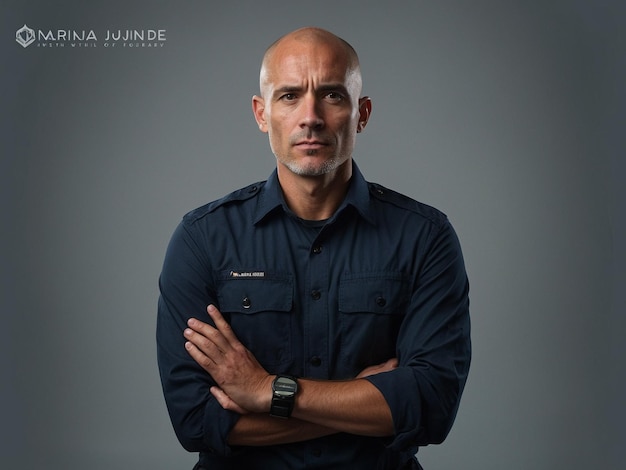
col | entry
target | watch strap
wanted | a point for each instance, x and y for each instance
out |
(284, 388)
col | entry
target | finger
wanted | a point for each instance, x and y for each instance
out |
(225, 401)
(388, 365)
(200, 357)
(206, 336)
(208, 342)
(222, 325)
(392, 363)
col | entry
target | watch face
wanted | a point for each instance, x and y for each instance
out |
(285, 386)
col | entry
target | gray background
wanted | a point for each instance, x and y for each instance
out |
(505, 115)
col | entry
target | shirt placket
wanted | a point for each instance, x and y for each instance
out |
(316, 335)
(317, 296)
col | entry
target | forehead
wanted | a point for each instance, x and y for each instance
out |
(297, 61)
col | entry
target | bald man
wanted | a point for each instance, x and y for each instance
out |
(313, 320)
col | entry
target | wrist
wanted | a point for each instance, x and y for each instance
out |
(264, 394)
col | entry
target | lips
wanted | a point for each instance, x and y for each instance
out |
(311, 144)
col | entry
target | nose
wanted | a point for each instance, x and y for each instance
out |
(311, 113)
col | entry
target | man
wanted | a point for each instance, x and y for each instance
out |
(313, 320)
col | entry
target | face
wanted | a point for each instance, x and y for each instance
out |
(310, 106)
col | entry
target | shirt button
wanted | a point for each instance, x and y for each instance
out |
(245, 303)
(381, 301)
(316, 361)
(316, 294)
(317, 249)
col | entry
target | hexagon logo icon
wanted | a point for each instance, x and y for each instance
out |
(25, 36)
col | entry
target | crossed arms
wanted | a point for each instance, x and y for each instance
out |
(244, 386)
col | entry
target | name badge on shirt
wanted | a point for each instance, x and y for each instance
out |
(247, 274)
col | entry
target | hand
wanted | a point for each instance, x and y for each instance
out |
(390, 364)
(243, 384)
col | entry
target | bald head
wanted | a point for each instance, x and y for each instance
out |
(310, 105)
(301, 39)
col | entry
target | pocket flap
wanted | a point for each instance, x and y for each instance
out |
(255, 293)
(382, 293)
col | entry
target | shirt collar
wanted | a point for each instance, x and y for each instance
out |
(271, 197)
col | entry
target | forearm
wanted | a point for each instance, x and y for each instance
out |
(353, 406)
(263, 430)
(322, 408)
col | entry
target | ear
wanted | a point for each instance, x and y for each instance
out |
(258, 108)
(365, 109)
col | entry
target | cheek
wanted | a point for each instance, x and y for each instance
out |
(274, 135)
(276, 140)
(347, 135)
(345, 125)
(279, 128)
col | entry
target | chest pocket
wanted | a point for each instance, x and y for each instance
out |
(258, 306)
(371, 309)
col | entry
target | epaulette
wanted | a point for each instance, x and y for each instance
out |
(239, 195)
(400, 200)
(242, 194)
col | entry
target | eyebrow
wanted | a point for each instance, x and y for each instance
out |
(286, 89)
(340, 87)
(324, 87)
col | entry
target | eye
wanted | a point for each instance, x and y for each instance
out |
(288, 97)
(334, 96)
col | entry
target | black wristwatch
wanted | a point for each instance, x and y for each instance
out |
(284, 388)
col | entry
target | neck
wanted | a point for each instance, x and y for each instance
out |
(315, 197)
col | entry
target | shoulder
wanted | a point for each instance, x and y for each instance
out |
(396, 201)
(232, 200)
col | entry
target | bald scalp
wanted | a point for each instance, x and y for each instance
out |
(313, 36)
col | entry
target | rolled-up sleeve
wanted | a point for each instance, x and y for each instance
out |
(199, 421)
(433, 348)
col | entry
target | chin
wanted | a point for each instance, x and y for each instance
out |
(313, 168)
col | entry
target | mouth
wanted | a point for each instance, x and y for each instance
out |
(311, 144)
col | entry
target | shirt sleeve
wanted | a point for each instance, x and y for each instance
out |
(433, 348)
(200, 423)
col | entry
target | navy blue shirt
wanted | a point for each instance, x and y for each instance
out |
(383, 277)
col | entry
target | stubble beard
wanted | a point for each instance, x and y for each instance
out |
(312, 169)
